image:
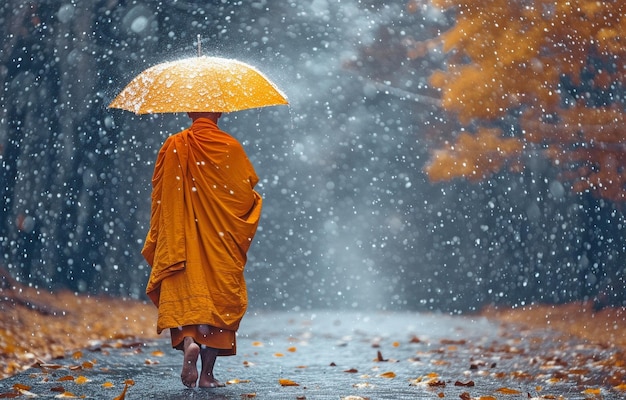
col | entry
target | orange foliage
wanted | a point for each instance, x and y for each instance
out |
(512, 59)
(473, 156)
(28, 335)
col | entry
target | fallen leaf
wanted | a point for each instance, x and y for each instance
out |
(66, 378)
(396, 344)
(108, 385)
(291, 349)
(379, 357)
(621, 386)
(19, 386)
(468, 383)
(157, 353)
(287, 382)
(592, 391)
(248, 395)
(77, 355)
(354, 398)
(129, 382)
(122, 395)
(237, 381)
(58, 389)
(50, 366)
(81, 380)
(257, 344)
(508, 391)
(351, 371)
(363, 385)
(279, 355)
(388, 374)
(65, 395)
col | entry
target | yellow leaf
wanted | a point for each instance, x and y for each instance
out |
(388, 374)
(279, 355)
(592, 391)
(291, 349)
(396, 344)
(287, 382)
(257, 344)
(107, 385)
(158, 353)
(77, 355)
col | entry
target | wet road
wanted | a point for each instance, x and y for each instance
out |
(338, 355)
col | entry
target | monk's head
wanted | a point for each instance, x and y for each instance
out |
(213, 116)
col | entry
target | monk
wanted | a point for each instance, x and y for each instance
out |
(204, 215)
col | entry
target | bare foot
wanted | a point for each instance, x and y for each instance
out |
(209, 381)
(189, 374)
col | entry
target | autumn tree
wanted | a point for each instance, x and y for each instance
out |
(535, 75)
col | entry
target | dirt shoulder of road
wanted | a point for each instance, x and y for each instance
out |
(606, 326)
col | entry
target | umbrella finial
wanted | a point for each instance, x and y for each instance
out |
(199, 47)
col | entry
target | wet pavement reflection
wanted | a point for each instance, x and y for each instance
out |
(347, 355)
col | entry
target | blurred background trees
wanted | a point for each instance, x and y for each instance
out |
(425, 161)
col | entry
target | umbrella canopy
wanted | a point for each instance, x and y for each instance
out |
(198, 84)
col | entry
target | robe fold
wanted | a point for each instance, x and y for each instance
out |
(204, 215)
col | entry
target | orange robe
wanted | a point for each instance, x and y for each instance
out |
(204, 215)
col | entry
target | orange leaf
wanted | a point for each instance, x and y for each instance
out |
(158, 353)
(621, 386)
(592, 391)
(287, 382)
(388, 374)
(77, 355)
(508, 391)
(396, 344)
(291, 349)
(87, 365)
(107, 385)
(82, 380)
(129, 382)
(257, 344)
(19, 386)
(122, 395)
(248, 395)
(66, 378)
(279, 355)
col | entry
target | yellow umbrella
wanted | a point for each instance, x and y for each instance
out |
(198, 84)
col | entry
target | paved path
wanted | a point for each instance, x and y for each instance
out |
(338, 355)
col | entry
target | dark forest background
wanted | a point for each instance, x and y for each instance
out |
(350, 218)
